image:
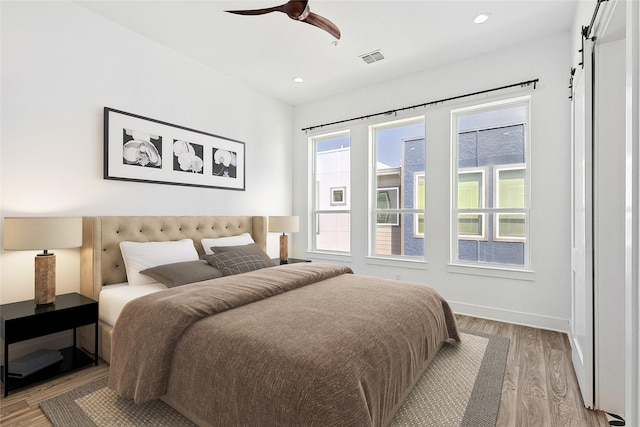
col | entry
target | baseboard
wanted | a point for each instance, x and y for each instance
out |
(509, 316)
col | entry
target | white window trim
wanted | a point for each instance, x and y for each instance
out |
(372, 222)
(314, 201)
(454, 263)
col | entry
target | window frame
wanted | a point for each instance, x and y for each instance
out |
(397, 200)
(314, 201)
(484, 196)
(516, 211)
(416, 217)
(373, 186)
(454, 169)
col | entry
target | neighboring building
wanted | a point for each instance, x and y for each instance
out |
(491, 168)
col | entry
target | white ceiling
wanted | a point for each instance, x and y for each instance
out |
(268, 51)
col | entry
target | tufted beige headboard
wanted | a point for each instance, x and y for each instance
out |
(101, 259)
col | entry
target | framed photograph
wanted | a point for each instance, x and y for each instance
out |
(140, 149)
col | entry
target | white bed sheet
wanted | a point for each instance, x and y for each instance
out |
(114, 297)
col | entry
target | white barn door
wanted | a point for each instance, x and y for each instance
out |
(582, 310)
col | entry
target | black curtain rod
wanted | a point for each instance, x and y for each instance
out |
(385, 113)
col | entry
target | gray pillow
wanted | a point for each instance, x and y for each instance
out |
(238, 261)
(251, 247)
(181, 273)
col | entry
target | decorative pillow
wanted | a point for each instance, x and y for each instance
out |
(241, 239)
(251, 247)
(139, 256)
(181, 273)
(236, 262)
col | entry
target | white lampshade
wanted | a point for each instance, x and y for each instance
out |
(38, 233)
(35, 233)
(284, 224)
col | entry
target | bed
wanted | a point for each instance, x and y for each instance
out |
(299, 344)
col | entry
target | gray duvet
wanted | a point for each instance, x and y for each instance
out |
(296, 345)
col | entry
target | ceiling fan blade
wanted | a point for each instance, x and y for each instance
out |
(258, 11)
(297, 10)
(324, 23)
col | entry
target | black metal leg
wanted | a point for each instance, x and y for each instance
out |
(95, 344)
(5, 371)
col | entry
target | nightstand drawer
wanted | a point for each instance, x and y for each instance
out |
(46, 323)
(24, 320)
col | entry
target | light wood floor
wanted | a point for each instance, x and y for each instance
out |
(540, 388)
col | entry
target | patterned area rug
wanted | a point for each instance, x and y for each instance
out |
(461, 387)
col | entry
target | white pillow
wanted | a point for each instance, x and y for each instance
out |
(139, 256)
(241, 239)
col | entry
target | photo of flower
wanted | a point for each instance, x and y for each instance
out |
(138, 148)
(187, 157)
(141, 148)
(224, 163)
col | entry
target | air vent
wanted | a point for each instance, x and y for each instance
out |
(372, 57)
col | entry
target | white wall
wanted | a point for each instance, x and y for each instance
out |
(544, 298)
(61, 64)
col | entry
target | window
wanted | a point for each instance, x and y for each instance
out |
(388, 198)
(398, 185)
(471, 195)
(418, 203)
(509, 188)
(338, 196)
(331, 180)
(490, 196)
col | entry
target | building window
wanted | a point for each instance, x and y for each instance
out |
(397, 182)
(471, 195)
(509, 190)
(490, 195)
(331, 178)
(418, 203)
(388, 199)
(338, 197)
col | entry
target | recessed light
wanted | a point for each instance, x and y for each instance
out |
(298, 79)
(481, 18)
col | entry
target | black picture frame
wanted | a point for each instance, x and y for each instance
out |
(141, 149)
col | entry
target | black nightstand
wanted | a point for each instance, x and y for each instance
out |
(24, 320)
(291, 260)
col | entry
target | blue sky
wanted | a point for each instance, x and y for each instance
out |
(390, 151)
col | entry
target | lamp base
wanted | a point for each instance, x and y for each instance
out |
(284, 249)
(45, 279)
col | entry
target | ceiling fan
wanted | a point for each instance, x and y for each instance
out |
(299, 11)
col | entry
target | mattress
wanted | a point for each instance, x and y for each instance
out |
(114, 297)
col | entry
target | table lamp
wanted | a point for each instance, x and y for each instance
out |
(284, 224)
(38, 233)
